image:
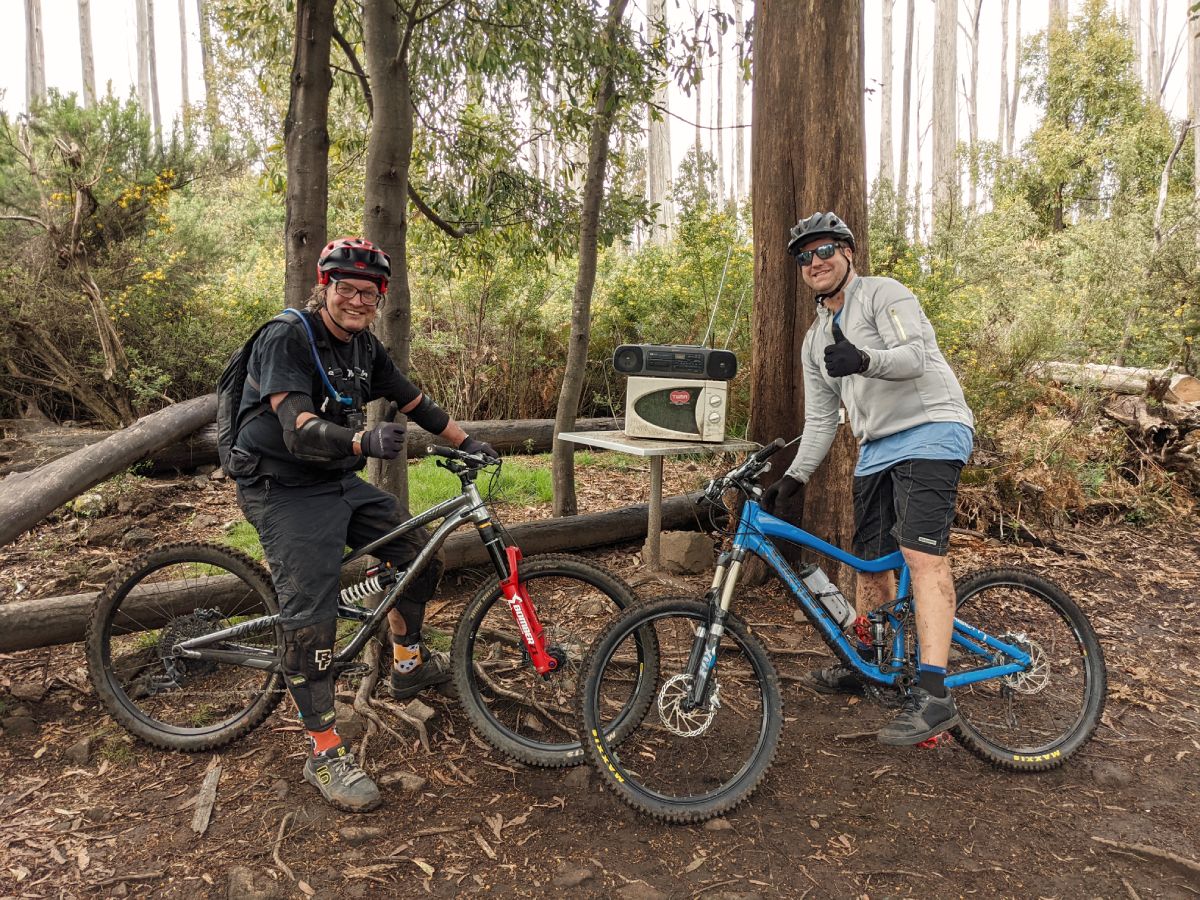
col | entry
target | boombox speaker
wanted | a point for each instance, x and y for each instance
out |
(669, 361)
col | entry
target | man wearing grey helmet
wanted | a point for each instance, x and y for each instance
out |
(872, 349)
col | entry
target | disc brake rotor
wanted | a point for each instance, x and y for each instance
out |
(681, 721)
(1036, 676)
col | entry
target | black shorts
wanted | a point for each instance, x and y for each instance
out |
(909, 505)
(304, 532)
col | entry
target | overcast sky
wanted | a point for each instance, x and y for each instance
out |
(114, 30)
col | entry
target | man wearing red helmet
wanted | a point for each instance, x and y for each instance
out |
(295, 466)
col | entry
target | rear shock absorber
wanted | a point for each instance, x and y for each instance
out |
(378, 578)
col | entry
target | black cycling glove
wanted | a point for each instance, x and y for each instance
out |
(470, 445)
(782, 493)
(384, 441)
(842, 358)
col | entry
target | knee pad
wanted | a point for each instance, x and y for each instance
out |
(308, 669)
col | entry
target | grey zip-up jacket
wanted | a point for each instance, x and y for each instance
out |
(907, 383)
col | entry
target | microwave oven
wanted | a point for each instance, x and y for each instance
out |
(676, 409)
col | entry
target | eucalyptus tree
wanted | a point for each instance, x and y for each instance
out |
(87, 63)
(945, 171)
(35, 55)
(803, 160)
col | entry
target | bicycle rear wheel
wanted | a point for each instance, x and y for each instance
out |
(523, 714)
(173, 594)
(681, 764)
(1032, 720)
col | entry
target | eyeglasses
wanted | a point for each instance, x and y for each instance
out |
(369, 296)
(825, 251)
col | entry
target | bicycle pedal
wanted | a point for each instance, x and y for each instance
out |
(938, 740)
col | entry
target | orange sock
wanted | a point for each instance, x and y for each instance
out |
(324, 740)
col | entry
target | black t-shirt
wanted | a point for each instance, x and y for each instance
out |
(281, 361)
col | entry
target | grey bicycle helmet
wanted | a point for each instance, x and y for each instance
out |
(819, 224)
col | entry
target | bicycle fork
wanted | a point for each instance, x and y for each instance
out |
(702, 661)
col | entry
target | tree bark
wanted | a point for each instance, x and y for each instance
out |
(386, 36)
(306, 143)
(718, 135)
(658, 153)
(945, 69)
(183, 68)
(35, 55)
(1177, 387)
(585, 278)
(152, 63)
(803, 160)
(739, 108)
(143, 57)
(27, 499)
(1154, 55)
(1194, 81)
(886, 172)
(63, 620)
(1002, 122)
(1134, 20)
(1016, 82)
(906, 100)
(86, 59)
(973, 100)
(210, 89)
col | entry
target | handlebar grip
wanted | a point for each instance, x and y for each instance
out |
(774, 447)
(438, 450)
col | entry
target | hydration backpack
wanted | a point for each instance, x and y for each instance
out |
(229, 402)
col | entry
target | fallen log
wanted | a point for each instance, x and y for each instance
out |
(27, 446)
(27, 497)
(1176, 387)
(62, 620)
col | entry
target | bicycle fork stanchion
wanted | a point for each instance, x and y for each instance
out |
(703, 659)
(526, 618)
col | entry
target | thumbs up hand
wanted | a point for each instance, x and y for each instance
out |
(842, 358)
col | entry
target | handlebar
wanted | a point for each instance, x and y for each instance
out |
(472, 460)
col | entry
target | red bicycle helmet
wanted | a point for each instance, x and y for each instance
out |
(355, 257)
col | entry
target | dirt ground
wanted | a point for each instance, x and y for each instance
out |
(87, 811)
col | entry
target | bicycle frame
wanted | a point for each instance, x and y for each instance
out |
(455, 512)
(757, 529)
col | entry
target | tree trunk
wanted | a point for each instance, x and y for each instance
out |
(26, 499)
(739, 109)
(973, 101)
(1016, 82)
(63, 620)
(585, 279)
(1175, 387)
(1194, 81)
(210, 90)
(945, 77)
(86, 59)
(699, 63)
(886, 173)
(658, 153)
(719, 133)
(35, 55)
(143, 57)
(152, 63)
(385, 213)
(24, 448)
(803, 160)
(306, 142)
(1134, 23)
(906, 100)
(183, 68)
(1154, 56)
(1002, 122)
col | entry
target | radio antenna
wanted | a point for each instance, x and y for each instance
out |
(733, 325)
(717, 303)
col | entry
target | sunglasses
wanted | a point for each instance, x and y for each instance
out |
(825, 251)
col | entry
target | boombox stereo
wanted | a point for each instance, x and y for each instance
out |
(661, 361)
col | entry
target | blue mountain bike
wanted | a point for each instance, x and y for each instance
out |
(1025, 668)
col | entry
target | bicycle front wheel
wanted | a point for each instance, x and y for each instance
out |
(1034, 719)
(685, 762)
(175, 594)
(518, 711)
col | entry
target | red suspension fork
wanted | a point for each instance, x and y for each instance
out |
(525, 615)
